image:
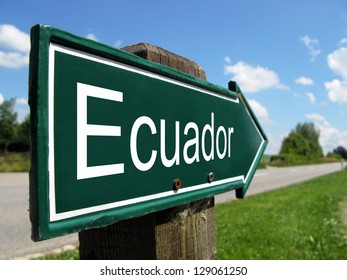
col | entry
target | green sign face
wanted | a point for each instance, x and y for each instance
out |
(115, 136)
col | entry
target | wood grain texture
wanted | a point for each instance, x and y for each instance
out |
(164, 57)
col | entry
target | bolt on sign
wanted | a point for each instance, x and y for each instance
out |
(115, 136)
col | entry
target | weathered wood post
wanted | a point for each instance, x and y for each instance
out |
(183, 232)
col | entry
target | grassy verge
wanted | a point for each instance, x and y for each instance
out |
(65, 255)
(15, 162)
(304, 221)
(292, 161)
(265, 160)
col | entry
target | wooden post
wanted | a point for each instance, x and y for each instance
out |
(183, 232)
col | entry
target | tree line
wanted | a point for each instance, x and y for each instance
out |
(302, 146)
(14, 136)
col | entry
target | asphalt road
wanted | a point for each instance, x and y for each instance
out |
(15, 225)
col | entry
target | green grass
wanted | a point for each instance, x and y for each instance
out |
(15, 162)
(301, 161)
(265, 160)
(304, 221)
(65, 255)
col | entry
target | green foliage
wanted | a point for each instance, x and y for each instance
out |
(72, 254)
(8, 121)
(293, 160)
(302, 143)
(341, 151)
(14, 136)
(334, 155)
(295, 144)
(308, 131)
(285, 159)
(303, 221)
(23, 133)
(265, 159)
(15, 162)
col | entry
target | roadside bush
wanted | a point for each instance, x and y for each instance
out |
(298, 145)
(334, 155)
(285, 159)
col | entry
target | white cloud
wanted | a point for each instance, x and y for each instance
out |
(317, 118)
(252, 78)
(21, 101)
(1, 98)
(260, 111)
(92, 36)
(12, 38)
(337, 91)
(343, 41)
(118, 44)
(312, 45)
(304, 81)
(337, 61)
(14, 47)
(337, 88)
(227, 59)
(330, 137)
(13, 59)
(311, 97)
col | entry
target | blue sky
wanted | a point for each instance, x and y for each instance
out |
(288, 57)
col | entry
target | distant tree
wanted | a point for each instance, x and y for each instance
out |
(295, 144)
(303, 142)
(334, 155)
(308, 130)
(315, 150)
(23, 133)
(341, 151)
(8, 121)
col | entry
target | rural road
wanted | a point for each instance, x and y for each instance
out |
(15, 226)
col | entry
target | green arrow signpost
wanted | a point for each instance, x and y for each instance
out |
(115, 136)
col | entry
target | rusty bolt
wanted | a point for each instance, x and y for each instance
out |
(210, 177)
(177, 184)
